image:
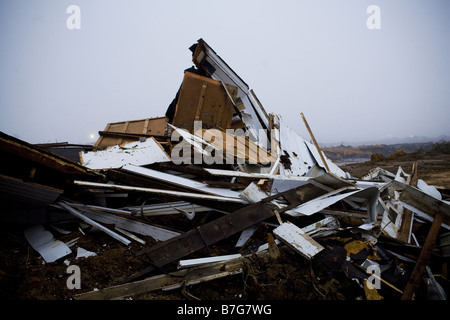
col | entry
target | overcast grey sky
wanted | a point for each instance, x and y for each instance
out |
(316, 57)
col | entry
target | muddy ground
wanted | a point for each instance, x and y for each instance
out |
(25, 276)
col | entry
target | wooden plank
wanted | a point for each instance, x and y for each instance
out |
(124, 130)
(119, 132)
(209, 97)
(407, 218)
(315, 142)
(425, 253)
(166, 281)
(422, 201)
(100, 139)
(298, 240)
(145, 129)
(207, 234)
(200, 102)
(239, 147)
(24, 150)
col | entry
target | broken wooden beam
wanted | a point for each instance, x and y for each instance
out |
(424, 256)
(298, 240)
(207, 234)
(166, 281)
(407, 218)
(203, 236)
(315, 142)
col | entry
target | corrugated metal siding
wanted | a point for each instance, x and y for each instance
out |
(15, 190)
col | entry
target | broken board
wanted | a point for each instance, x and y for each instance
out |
(298, 240)
(138, 153)
(203, 99)
(127, 131)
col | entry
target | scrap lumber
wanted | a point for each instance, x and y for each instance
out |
(203, 236)
(298, 240)
(203, 99)
(126, 131)
(170, 281)
(236, 146)
(407, 217)
(315, 143)
(252, 114)
(209, 233)
(15, 148)
(424, 256)
(421, 203)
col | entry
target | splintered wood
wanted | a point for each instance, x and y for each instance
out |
(298, 240)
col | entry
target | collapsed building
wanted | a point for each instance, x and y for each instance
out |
(217, 150)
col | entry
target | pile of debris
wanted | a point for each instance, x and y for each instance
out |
(218, 187)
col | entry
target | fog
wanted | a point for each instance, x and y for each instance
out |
(356, 74)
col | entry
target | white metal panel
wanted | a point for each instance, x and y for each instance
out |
(43, 242)
(156, 233)
(319, 203)
(88, 220)
(430, 190)
(292, 145)
(180, 181)
(331, 165)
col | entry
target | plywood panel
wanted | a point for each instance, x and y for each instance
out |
(145, 127)
(206, 100)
